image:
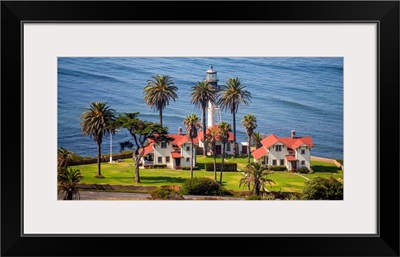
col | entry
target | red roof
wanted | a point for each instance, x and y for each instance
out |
(290, 158)
(260, 152)
(148, 149)
(200, 134)
(179, 139)
(176, 155)
(293, 143)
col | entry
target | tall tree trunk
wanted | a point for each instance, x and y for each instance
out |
(257, 187)
(234, 135)
(161, 116)
(222, 163)
(98, 159)
(248, 149)
(191, 161)
(204, 133)
(215, 164)
(136, 159)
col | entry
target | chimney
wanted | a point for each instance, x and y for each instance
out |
(293, 133)
(180, 131)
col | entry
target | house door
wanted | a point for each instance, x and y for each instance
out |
(294, 165)
(244, 149)
(218, 149)
(178, 162)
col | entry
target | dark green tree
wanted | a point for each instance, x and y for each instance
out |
(95, 123)
(232, 95)
(158, 92)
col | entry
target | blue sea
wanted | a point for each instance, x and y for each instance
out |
(304, 94)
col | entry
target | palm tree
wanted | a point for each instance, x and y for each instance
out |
(257, 138)
(159, 92)
(192, 123)
(256, 177)
(250, 124)
(211, 139)
(67, 184)
(233, 94)
(95, 123)
(224, 129)
(64, 157)
(203, 94)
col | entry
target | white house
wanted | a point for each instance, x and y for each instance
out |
(174, 154)
(218, 145)
(292, 152)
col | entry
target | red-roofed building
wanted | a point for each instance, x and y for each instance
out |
(292, 152)
(218, 145)
(174, 154)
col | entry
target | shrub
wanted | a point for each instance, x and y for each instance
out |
(188, 167)
(291, 197)
(203, 186)
(323, 189)
(155, 166)
(253, 197)
(340, 161)
(231, 166)
(277, 168)
(165, 194)
(303, 170)
(269, 197)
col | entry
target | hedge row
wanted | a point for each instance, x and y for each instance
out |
(277, 168)
(188, 167)
(79, 160)
(231, 166)
(156, 166)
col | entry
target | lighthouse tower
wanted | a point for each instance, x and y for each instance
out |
(213, 111)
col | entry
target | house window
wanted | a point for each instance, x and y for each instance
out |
(303, 163)
(228, 147)
(282, 162)
(167, 159)
(159, 159)
(273, 162)
(188, 148)
(278, 148)
(303, 151)
(188, 159)
(163, 144)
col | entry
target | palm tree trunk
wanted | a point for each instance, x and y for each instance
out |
(248, 150)
(160, 116)
(98, 159)
(191, 161)
(215, 164)
(234, 135)
(204, 133)
(222, 163)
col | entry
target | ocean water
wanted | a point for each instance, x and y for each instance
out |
(304, 94)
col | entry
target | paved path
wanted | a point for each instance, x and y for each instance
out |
(301, 176)
(95, 195)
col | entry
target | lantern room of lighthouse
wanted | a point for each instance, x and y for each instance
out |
(213, 111)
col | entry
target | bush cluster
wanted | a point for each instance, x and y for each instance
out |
(253, 197)
(203, 186)
(323, 189)
(277, 168)
(188, 167)
(231, 166)
(304, 170)
(165, 194)
(156, 166)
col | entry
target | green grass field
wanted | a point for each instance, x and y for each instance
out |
(123, 174)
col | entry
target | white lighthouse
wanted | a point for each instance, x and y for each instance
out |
(213, 111)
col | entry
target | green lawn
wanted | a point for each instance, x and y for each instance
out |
(123, 174)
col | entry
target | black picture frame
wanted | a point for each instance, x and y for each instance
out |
(384, 13)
